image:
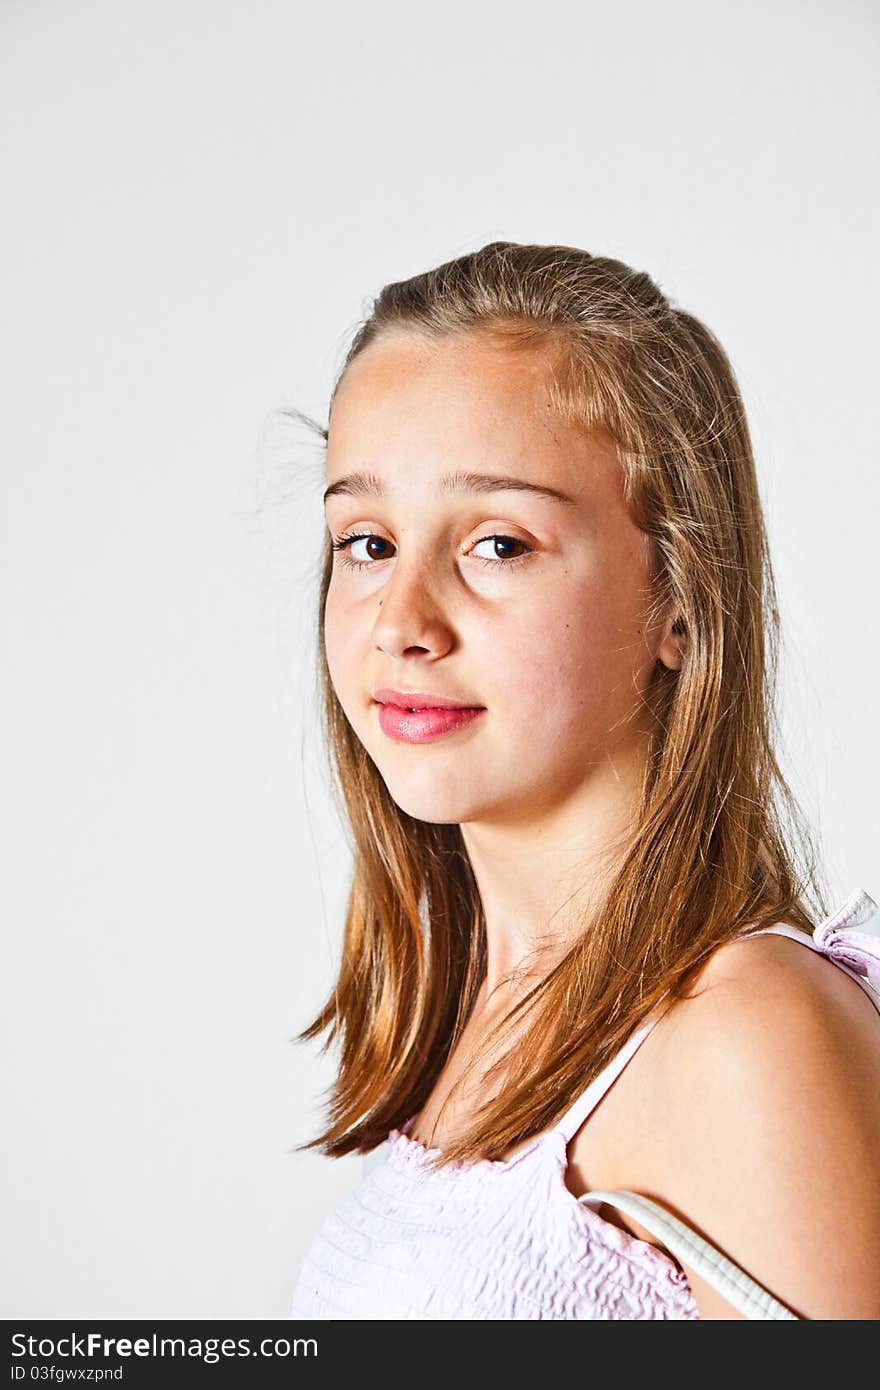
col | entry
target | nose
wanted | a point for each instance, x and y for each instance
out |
(410, 617)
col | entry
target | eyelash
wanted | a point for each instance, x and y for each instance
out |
(341, 544)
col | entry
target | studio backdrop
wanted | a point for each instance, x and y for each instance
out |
(199, 201)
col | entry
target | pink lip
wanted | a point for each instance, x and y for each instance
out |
(425, 725)
(419, 699)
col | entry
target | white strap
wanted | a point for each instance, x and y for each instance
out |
(747, 1296)
(589, 1099)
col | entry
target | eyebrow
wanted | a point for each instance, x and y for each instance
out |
(368, 484)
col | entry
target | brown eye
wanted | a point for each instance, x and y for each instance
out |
(503, 543)
(342, 546)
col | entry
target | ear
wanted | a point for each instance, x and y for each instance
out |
(674, 644)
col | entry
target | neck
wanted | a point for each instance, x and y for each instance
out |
(542, 879)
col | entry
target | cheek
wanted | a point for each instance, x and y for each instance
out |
(342, 647)
(572, 667)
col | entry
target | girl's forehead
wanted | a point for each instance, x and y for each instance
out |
(405, 408)
(407, 361)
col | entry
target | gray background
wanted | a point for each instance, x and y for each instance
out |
(199, 199)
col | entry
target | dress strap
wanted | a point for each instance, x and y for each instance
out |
(740, 1289)
(589, 1099)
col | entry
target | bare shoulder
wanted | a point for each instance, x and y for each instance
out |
(767, 1002)
(769, 1082)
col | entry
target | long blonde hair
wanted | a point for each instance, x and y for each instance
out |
(719, 843)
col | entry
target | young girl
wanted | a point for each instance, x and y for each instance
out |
(574, 995)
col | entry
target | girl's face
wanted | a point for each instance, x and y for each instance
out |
(474, 586)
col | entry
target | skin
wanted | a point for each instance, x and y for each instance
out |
(776, 1060)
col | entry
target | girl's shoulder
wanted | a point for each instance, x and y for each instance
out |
(774, 1046)
(769, 1005)
(767, 1122)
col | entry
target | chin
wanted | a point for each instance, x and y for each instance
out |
(432, 809)
(423, 798)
